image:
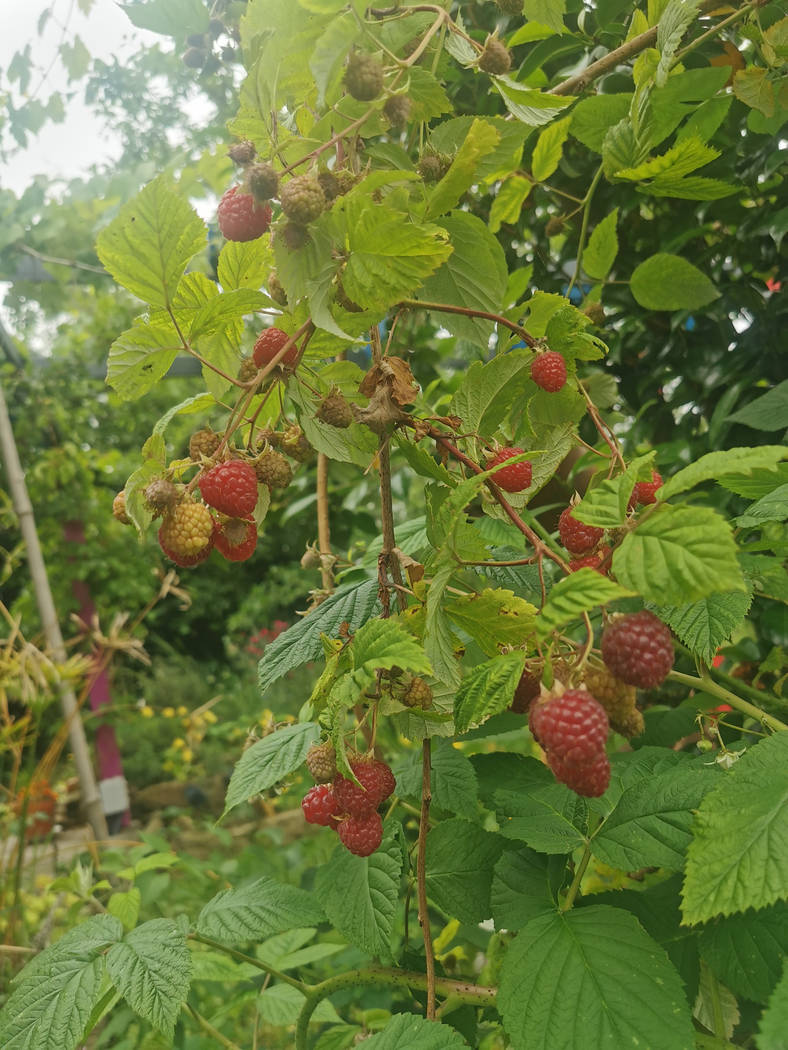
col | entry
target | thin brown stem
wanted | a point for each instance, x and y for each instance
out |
(421, 875)
(604, 430)
(323, 524)
(466, 311)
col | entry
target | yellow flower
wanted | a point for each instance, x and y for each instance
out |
(187, 754)
(146, 712)
(210, 717)
(182, 710)
(178, 743)
(169, 712)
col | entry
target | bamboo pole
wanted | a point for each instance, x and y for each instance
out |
(91, 800)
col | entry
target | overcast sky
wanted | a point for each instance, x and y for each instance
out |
(70, 148)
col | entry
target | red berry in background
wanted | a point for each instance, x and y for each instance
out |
(361, 835)
(575, 536)
(638, 649)
(572, 726)
(511, 479)
(236, 539)
(590, 779)
(645, 491)
(590, 561)
(231, 488)
(376, 784)
(320, 806)
(269, 343)
(549, 371)
(241, 218)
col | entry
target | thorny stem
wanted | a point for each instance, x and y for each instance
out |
(241, 957)
(466, 311)
(323, 523)
(206, 1026)
(706, 684)
(584, 226)
(474, 994)
(540, 547)
(421, 874)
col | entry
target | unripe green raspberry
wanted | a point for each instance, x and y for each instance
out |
(187, 529)
(510, 7)
(335, 410)
(302, 199)
(364, 76)
(293, 235)
(276, 289)
(433, 166)
(596, 312)
(496, 58)
(273, 470)
(242, 152)
(321, 761)
(555, 225)
(417, 694)
(263, 182)
(248, 370)
(295, 444)
(161, 495)
(119, 509)
(203, 443)
(617, 698)
(397, 110)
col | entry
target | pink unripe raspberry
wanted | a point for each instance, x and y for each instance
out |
(241, 218)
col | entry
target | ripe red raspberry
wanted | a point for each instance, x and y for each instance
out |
(377, 783)
(645, 491)
(269, 343)
(572, 726)
(186, 534)
(320, 806)
(638, 649)
(575, 536)
(589, 779)
(549, 371)
(241, 218)
(590, 561)
(231, 488)
(321, 761)
(511, 479)
(361, 835)
(236, 539)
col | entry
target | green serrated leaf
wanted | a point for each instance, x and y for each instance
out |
(494, 617)
(140, 357)
(487, 391)
(245, 264)
(679, 553)
(533, 108)
(360, 895)
(487, 690)
(705, 625)
(521, 888)
(354, 603)
(774, 1022)
(269, 761)
(480, 140)
(452, 779)
(668, 282)
(407, 1031)
(386, 644)
(125, 905)
(281, 1004)
(581, 973)
(746, 952)
(738, 857)
(147, 245)
(592, 117)
(602, 248)
(151, 968)
(460, 861)
(768, 412)
(544, 814)
(754, 88)
(772, 507)
(548, 149)
(508, 201)
(575, 594)
(257, 910)
(717, 466)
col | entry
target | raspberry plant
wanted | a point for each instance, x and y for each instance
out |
(393, 231)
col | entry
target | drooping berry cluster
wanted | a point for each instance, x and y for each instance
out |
(638, 649)
(350, 808)
(572, 727)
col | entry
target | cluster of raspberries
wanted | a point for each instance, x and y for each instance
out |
(572, 728)
(350, 808)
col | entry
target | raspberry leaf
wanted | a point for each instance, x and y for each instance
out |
(716, 466)
(746, 952)
(487, 690)
(494, 617)
(737, 858)
(452, 780)
(547, 816)
(256, 910)
(281, 1004)
(488, 391)
(548, 149)
(460, 861)
(411, 1032)
(602, 248)
(269, 761)
(575, 594)
(679, 553)
(54, 996)
(705, 625)
(580, 974)
(521, 887)
(148, 244)
(481, 139)
(385, 644)
(139, 357)
(650, 826)
(151, 968)
(245, 264)
(354, 444)
(360, 895)
(668, 282)
(774, 1022)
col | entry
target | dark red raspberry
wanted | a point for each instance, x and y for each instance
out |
(320, 806)
(590, 561)
(241, 218)
(511, 479)
(638, 649)
(361, 835)
(527, 690)
(645, 491)
(231, 488)
(572, 726)
(269, 343)
(575, 536)
(377, 783)
(236, 539)
(590, 779)
(549, 371)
